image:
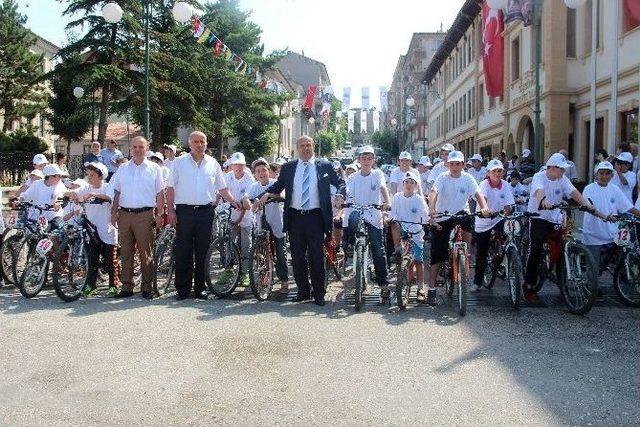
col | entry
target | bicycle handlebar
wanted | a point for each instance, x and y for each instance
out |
(362, 207)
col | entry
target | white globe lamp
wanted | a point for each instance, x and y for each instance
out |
(112, 13)
(182, 12)
(311, 120)
(78, 92)
(410, 102)
(394, 122)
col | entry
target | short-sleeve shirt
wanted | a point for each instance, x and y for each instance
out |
(631, 183)
(608, 200)
(238, 189)
(195, 184)
(365, 190)
(138, 185)
(554, 191)
(100, 214)
(272, 211)
(107, 156)
(454, 193)
(478, 175)
(437, 170)
(497, 198)
(411, 209)
(41, 194)
(397, 176)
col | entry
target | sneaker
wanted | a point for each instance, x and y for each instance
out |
(431, 297)
(420, 296)
(475, 288)
(89, 291)
(531, 297)
(112, 292)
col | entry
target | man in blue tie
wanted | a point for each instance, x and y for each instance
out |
(308, 217)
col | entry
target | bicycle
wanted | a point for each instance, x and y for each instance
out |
(263, 256)
(404, 266)
(626, 275)
(18, 229)
(164, 260)
(223, 256)
(361, 253)
(504, 257)
(575, 268)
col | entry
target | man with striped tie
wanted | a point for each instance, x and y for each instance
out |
(308, 217)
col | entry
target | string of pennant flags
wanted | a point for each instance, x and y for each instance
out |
(207, 37)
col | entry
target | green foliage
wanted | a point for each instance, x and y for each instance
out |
(21, 140)
(20, 94)
(387, 141)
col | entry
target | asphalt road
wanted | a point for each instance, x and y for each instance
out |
(100, 361)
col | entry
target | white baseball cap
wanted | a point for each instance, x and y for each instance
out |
(237, 159)
(102, 169)
(448, 147)
(557, 160)
(455, 156)
(604, 166)
(52, 169)
(477, 157)
(410, 175)
(405, 155)
(171, 147)
(425, 161)
(158, 155)
(367, 149)
(526, 153)
(280, 161)
(37, 172)
(40, 159)
(437, 160)
(625, 157)
(336, 164)
(353, 166)
(494, 164)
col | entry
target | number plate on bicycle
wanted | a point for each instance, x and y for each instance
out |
(44, 246)
(512, 226)
(623, 237)
(11, 221)
(43, 222)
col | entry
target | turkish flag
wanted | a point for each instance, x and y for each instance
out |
(632, 14)
(493, 50)
(311, 96)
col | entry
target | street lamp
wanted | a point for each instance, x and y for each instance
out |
(78, 92)
(112, 13)
(410, 102)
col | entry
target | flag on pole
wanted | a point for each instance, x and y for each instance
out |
(493, 50)
(351, 116)
(384, 99)
(327, 97)
(365, 98)
(204, 36)
(346, 98)
(363, 121)
(311, 97)
(198, 28)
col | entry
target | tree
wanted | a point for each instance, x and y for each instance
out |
(387, 141)
(69, 116)
(20, 94)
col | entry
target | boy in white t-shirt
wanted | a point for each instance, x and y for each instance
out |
(440, 164)
(238, 182)
(367, 187)
(497, 193)
(450, 193)
(273, 213)
(623, 177)
(424, 168)
(477, 171)
(405, 164)
(608, 200)
(47, 192)
(410, 206)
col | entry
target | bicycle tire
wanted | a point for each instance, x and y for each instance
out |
(261, 272)
(39, 267)
(402, 290)
(359, 278)
(74, 292)
(19, 260)
(515, 276)
(164, 263)
(628, 290)
(543, 271)
(223, 256)
(7, 255)
(588, 285)
(490, 273)
(461, 283)
(445, 271)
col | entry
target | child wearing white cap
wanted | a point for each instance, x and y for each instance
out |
(440, 164)
(405, 164)
(424, 168)
(623, 177)
(477, 171)
(47, 192)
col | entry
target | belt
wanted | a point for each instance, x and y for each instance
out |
(306, 211)
(194, 207)
(136, 210)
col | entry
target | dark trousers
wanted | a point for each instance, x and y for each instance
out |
(193, 237)
(375, 243)
(306, 238)
(282, 270)
(538, 231)
(109, 253)
(483, 241)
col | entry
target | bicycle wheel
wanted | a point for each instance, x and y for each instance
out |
(10, 245)
(580, 290)
(402, 290)
(70, 268)
(261, 271)
(223, 267)
(445, 272)
(491, 272)
(164, 263)
(515, 276)
(461, 283)
(20, 256)
(543, 272)
(34, 274)
(626, 279)
(359, 279)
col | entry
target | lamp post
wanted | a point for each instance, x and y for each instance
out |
(112, 13)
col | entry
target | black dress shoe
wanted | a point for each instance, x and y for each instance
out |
(124, 294)
(302, 298)
(320, 302)
(201, 295)
(147, 294)
(181, 297)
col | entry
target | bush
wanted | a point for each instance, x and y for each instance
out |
(21, 140)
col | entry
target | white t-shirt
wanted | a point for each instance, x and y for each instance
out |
(412, 209)
(100, 214)
(397, 176)
(631, 183)
(438, 169)
(453, 193)
(40, 194)
(272, 211)
(478, 175)
(426, 184)
(497, 199)
(608, 200)
(238, 188)
(554, 191)
(366, 190)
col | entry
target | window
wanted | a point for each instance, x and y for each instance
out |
(630, 15)
(515, 59)
(571, 33)
(588, 23)
(61, 149)
(481, 98)
(629, 124)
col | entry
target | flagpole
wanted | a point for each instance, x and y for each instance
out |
(538, 150)
(147, 61)
(613, 113)
(594, 69)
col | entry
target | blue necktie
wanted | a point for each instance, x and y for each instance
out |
(306, 178)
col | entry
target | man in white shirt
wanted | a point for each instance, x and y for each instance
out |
(609, 200)
(107, 154)
(137, 209)
(405, 164)
(623, 177)
(477, 171)
(194, 182)
(441, 166)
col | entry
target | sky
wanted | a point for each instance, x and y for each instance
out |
(359, 41)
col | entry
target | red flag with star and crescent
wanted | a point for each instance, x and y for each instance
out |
(493, 50)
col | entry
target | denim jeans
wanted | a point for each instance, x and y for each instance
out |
(375, 243)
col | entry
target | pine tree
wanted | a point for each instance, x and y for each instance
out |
(20, 93)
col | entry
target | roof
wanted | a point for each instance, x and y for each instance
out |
(303, 70)
(117, 131)
(465, 18)
(46, 42)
